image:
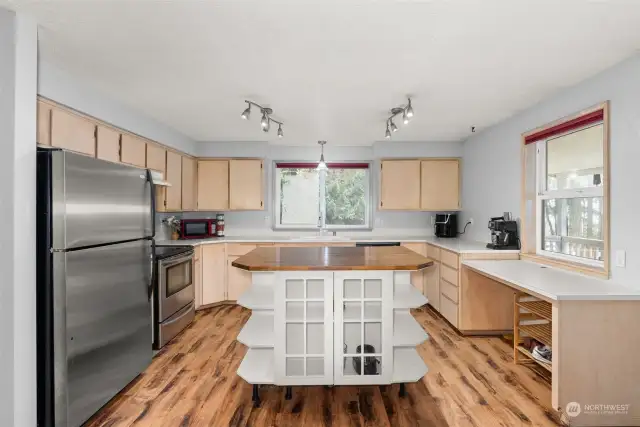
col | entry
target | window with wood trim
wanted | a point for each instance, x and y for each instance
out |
(335, 198)
(565, 216)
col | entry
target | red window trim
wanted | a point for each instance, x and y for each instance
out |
(578, 122)
(300, 165)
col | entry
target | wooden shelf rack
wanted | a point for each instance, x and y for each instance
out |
(532, 317)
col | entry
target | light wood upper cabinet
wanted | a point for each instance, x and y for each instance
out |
(43, 135)
(245, 184)
(133, 150)
(213, 185)
(108, 144)
(214, 262)
(400, 185)
(156, 158)
(189, 184)
(174, 177)
(73, 132)
(440, 185)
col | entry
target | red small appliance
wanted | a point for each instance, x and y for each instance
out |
(197, 228)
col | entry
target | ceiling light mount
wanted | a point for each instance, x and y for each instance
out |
(407, 114)
(265, 121)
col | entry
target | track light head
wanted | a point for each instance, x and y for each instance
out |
(409, 109)
(387, 133)
(265, 121)
(405, 117)
(393, 126)
(246, 113)
(280, 133)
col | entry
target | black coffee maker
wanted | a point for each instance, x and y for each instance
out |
(504, 233)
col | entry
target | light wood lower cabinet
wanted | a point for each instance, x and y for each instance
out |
(417, 277)
(432, 285)
(72, 132)
(488, 304)
(238, 280)
(214, 263)
(197, 275)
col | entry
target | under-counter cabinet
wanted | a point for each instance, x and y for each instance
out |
(440, 184)
(72, 132)
(246, 184)
(214, 262)
(133, 150)
(108, 144)
(213, 185)
(238, 280)
(189, 184)
(400, 185)
(174, 177)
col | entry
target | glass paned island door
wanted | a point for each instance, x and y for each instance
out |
(303, 326)
(363, 327)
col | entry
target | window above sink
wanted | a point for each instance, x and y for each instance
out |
(334, 199)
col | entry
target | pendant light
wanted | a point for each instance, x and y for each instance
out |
(322, 165)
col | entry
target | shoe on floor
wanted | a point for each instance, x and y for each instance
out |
(542, 354)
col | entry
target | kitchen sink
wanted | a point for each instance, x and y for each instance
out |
(322, 238)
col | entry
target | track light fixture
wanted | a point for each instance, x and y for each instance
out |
(265, 121)
(407, 114)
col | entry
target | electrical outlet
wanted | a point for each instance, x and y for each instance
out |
(433, 220)
(621, 259)
(267, 220)
(379, 222)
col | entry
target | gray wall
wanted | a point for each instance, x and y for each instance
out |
(492, 169)
(407, 222)
(18, 81)
(60, 86)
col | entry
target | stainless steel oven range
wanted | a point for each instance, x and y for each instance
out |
(174, 293)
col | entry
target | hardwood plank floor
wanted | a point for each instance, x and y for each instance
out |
(193, 382)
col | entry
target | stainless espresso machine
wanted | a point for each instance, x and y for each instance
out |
(504, 233)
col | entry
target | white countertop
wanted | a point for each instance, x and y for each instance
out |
(552, 283)
(452, 244)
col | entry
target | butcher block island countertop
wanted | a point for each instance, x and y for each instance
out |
(396, 258)
(331, 316)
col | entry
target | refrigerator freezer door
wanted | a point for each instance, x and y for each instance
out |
(96, 202)
(108, 323)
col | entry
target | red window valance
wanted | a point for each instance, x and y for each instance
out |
(578, 122)
(329, 165)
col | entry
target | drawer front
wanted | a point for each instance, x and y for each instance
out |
(449, 258)
(449, 310)
(449, 274)
(239, 248)
(448, 290)
(433, 252)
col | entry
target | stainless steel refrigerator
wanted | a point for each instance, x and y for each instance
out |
(94, 248)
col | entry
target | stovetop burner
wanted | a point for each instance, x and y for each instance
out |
(162, 252)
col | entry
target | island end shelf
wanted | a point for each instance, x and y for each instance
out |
(331, 316)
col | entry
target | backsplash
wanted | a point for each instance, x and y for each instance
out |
(242, 223)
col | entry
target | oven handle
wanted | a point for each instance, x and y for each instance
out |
(179, 314)
(169, 262)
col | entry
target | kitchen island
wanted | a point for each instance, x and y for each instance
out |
(331, 316)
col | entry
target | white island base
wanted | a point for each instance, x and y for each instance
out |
(331, 328)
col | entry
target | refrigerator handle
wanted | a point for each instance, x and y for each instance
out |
(153, 204)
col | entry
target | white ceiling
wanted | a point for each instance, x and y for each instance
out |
(332, 69)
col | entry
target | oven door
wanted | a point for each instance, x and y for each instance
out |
(175, 284)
